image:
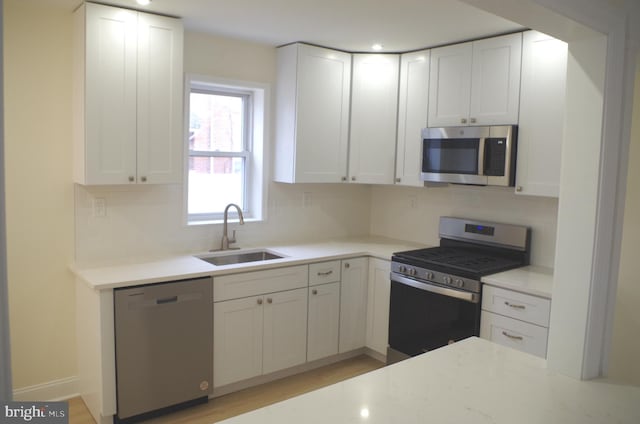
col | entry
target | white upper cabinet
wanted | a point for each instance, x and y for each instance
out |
(542, 102)
(476, 83)
(312, 107)
(450, 85)
(128, 96)
(413, 101)
(374, 107)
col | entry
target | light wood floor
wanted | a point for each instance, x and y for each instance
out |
(247, 400)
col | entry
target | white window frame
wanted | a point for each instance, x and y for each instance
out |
(254, 142)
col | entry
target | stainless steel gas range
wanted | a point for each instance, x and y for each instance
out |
(435, 292)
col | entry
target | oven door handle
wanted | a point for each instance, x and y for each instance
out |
(466, 296)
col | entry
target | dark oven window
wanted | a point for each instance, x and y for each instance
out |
(454, 156)
(420, 321)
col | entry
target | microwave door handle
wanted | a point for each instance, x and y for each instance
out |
(481, 154)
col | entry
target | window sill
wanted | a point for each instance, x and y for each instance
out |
(221, 221)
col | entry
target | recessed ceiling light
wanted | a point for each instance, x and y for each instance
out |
(143, 2)
(376, 47)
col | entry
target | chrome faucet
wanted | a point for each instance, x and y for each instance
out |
(226, 241)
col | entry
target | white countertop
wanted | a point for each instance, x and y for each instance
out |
(144, 271)
(534, 280)
(472, 381)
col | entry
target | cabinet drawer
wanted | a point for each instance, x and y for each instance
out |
(512, 333)
(259, 282)
(324, 272)
(516, 305)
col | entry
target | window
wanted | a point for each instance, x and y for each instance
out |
(225, 138)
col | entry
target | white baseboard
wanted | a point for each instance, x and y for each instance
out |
(56, 390)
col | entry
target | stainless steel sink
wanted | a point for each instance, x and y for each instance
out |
(240, 257)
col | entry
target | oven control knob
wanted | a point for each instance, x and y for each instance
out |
(447, 280)
(412, 271)
(459, 282)
(429, 275)
(402, 269)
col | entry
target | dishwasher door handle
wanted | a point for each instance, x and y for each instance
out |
(171, 299)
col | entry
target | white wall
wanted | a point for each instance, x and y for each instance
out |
(625, 349)
(412, 213)
(39, 193)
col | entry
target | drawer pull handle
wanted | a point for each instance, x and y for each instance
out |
(511, 305)
(324, 274)
(511, 336)
(314, 291)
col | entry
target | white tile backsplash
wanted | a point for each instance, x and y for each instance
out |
(412, 214)
(148, 220)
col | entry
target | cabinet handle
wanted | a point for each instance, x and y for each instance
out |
(324, 274)
(473, 120)
(511, 336)
(511, 305)
(398, 180)
(259, 301)
(131, 178)
(519, 189)
(314, 291)
(269, 300)
(143, 179)
(346, 265)
(463, 121)
(353, 178)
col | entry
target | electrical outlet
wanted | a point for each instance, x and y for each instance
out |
(99, 207)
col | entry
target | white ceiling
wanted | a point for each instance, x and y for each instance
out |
(353, 25)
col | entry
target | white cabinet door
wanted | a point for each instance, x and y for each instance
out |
(495, 80)
(450, 85)
(128, 97)
(105, 94)
(476, 83)
(374, 103)
(353, 304)
(285, 330)
(324, 321)
(160, 79)
(237, 340)
(312, 112)
(542, 100)
(378, 305)
(413, 102)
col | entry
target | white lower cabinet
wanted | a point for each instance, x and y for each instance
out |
(378, 305)
(323, 326)
(324, 321)
(516, 320)
(238, 333)
(353, 304)
(285, 330)
(263, 331)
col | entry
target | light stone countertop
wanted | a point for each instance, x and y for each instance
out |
(534, 280)
(177, 267)
(472, 381)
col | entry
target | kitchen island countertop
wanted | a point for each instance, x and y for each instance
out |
(472, 381)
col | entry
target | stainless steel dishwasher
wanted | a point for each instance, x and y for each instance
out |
(164, 347)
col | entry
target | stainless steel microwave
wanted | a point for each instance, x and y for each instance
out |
(470, 155)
